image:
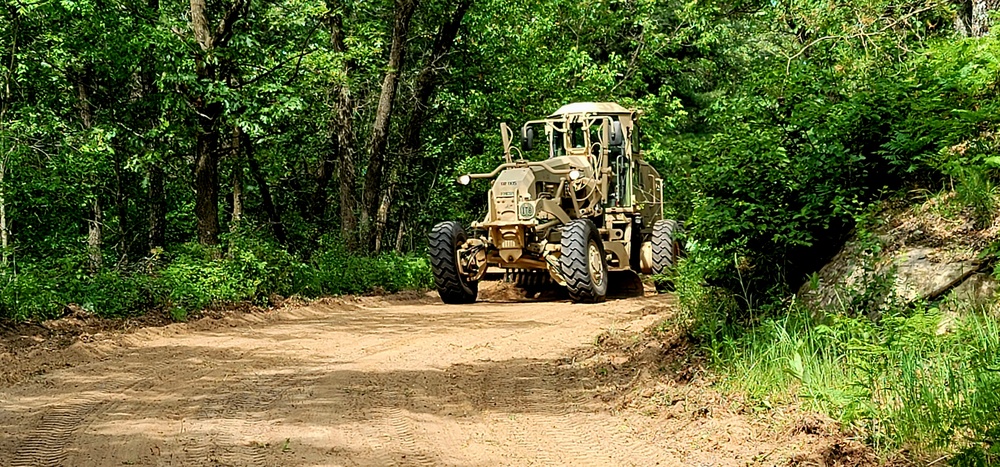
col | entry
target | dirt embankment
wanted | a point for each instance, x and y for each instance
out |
(399, 380)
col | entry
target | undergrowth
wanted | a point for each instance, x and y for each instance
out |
(191, 277)
(903, 382)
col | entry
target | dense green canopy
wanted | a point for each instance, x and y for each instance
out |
(131, 128)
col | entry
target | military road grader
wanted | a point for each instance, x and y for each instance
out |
(573, 202)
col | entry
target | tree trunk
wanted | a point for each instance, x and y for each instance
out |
(422, 93)
(95, 218)
(347, 171)
(273, 216)
(323, 175)
(207, 156)
(342, 142)
(963, 18)
(980, 24)
(206, 180)
(401, 234)
(157, 209)
(94, 238)
(382, 217)
(206, 160)
(4, 235)
(973, 17)
(156, 194)
(5, 103)
(237, 214)
(122, 186)
(375, 175)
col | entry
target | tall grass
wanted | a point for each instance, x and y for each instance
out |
(976, 189)
(899, 383)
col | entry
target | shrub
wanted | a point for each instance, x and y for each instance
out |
(897, 382)
(340, 273)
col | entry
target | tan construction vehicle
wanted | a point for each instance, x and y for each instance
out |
(574, 203)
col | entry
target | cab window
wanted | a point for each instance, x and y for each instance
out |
(577, 137)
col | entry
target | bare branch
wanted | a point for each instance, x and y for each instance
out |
(862, 34)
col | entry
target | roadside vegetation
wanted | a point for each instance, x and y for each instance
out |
(915, 385)
(807, 164)
(176, 156)
(190, 277)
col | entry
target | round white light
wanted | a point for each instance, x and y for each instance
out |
(465, 179)
(574, 174)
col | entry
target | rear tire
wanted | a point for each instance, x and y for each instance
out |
(444, 240)
(583, 262)
(532, 281)
(666, 251)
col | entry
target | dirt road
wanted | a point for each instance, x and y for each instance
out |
(392, 381)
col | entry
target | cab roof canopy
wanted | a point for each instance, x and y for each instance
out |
(591, 107)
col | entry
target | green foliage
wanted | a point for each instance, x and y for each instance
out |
(338, 272)
(977, 190)
(899, 383)
(193, 280)
(902, 377)
(190, 278)
(45, 292)
(823, 123)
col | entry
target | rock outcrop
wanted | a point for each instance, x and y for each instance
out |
(919, 254)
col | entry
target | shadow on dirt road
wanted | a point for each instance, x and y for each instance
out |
(377, 381)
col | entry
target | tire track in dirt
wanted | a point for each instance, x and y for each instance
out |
(45, 446)
(637, 448)
(562, 423)
(61, 422)
(604, 441)
(211, 440)
(397, 405)
(566, 437)
(550, 421)
(416, 453)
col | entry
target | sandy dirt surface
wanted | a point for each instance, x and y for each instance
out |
(397, 380)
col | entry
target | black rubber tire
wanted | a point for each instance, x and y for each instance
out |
(577, 238)
(443, 241)
(666, 250)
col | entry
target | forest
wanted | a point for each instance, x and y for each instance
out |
(180, 155)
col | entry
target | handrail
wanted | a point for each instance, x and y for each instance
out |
(551, 170)
(494, 172)
(509, 165)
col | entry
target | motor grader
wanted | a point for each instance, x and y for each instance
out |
(573, 202)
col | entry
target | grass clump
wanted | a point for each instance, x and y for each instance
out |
(902, 382)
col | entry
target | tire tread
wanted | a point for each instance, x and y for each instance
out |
(443, 240)
(573, 262)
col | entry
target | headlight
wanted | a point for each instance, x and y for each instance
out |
(464, 179)
(574, 174)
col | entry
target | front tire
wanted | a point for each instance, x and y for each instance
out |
(583, 262)
(444, 241)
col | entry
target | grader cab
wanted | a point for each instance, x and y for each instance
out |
(573, 202)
